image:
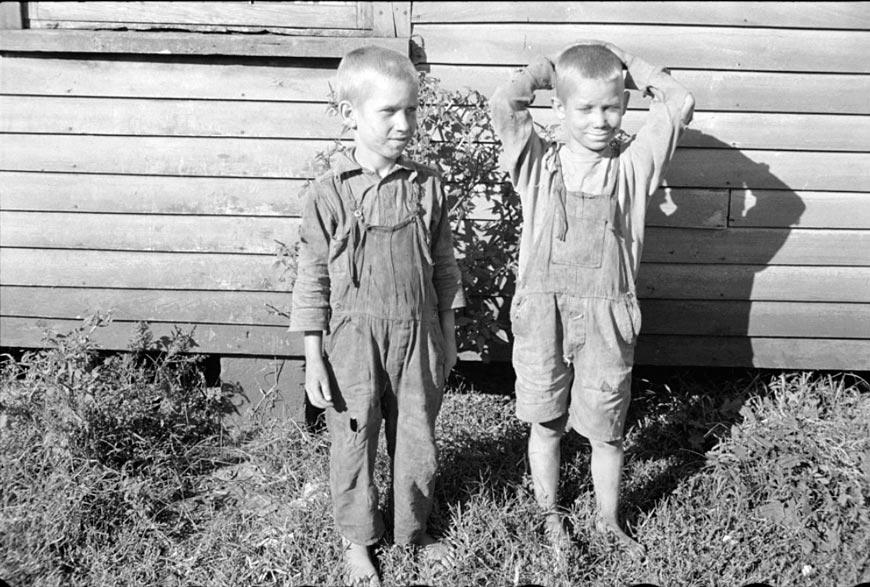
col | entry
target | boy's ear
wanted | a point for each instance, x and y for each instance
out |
(625, 98)
(558, 107)
(347, 114)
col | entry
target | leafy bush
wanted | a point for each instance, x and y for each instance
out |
(94, 443)
(455, 136)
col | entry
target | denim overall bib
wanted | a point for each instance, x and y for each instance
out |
(385, 349)
(575, 314)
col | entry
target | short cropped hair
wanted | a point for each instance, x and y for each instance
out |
(354, 71)
(585, 62)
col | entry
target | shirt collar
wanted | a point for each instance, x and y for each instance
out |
(344, 163)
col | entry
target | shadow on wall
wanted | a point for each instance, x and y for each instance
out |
(708, 276)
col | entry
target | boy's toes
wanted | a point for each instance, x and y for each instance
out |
(611, 528)
(437, 555)
(359, 570)
(557, 534)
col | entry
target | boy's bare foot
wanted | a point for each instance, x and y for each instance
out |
(610, 527)
(359, 568)
(438, 555)
(557, 534)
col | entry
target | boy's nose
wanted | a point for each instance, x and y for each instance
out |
(598, 118)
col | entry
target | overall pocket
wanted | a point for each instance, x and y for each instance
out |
(587, 216)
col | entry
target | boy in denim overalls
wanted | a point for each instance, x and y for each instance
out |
(575, 315)
(377, 274)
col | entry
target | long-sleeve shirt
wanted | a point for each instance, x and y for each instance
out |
(639, 166)
(384, 201)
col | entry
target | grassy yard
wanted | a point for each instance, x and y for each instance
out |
(732, 477)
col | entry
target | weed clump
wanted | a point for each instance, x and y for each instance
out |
(94, 444)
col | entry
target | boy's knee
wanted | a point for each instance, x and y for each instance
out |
(554, 429)
(606, 446)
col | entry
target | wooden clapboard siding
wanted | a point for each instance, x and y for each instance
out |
(778, 282)
(767, 352)
(188, 306)
(183, 156)
(157, 185)
(139, 270)
(165, 77)
(220, 339)
(161, 117)
(137, 194)
(828, 15)
(345, 15)
(244, 272)
(173, 233)
(765, 208)
(719, 91)
(679, 47)
(191, 234)
(278, 158)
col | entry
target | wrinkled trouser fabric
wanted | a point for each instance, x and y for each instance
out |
(391, 371)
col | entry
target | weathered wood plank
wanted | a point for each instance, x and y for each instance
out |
(743, 130)
(809, 132)
(775, 170)
(181, 43)
(176, 233)
(222, 272)
(725, 48)
(817, 15)
(756, 319)
(672, 317)
(113, 269)
(161, 77)
(212, 307)
(714, 90)
(258, 235)
(688, 208)
(738, 351)
(768, 208)
(218, 339)
(135, 194)
(279, 14)
(277, 158)
(198, 118)
(770, 353)
(161, 117)
(772, 246)
(214, 157)
(11, 16)
(754, 282)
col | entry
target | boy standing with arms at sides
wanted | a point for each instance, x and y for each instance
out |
(575, 315)
(377, 275)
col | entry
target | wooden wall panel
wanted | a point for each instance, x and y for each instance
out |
(158, 185)
(833, 15)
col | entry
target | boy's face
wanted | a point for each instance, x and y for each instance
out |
(384, 120)
(591, 112)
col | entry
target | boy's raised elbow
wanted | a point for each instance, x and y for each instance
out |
(688, 108)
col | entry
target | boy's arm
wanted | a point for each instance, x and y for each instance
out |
(310, 308)
(446, 276)
(669, 113)
(513, 123)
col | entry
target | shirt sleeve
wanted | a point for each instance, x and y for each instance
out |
(669, 113)
(446, 277)
(310, 308)
(523, 147)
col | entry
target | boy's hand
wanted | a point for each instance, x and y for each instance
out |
(317, 386)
